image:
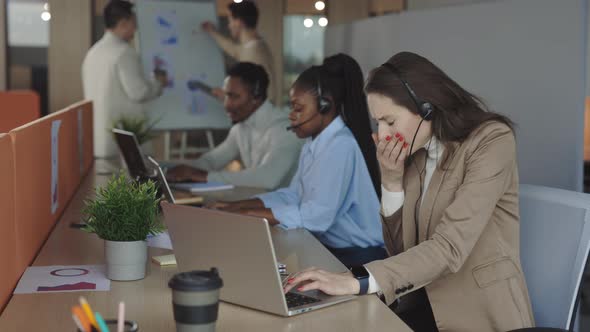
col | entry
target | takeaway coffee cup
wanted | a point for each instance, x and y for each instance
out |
(195, 300)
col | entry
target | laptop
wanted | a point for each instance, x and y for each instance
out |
(129, 147)
(194, 200)
(241, 247)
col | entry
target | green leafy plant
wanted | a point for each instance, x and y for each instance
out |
(139, 125)
(124, 210)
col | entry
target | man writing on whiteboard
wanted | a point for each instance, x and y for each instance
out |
(258, 138)
(243, 20)
(113, 78)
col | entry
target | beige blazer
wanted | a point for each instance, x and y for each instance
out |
(468, 256)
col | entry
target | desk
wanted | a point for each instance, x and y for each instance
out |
(236, 194)
(148, 301)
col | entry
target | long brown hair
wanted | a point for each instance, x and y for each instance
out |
(457, 112)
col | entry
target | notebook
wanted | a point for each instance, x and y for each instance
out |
(164, 260)
(199, 187)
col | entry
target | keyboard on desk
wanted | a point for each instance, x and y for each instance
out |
(296, 300)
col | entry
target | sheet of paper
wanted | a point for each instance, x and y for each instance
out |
(54, 164)
(60, 278)
(161, 240)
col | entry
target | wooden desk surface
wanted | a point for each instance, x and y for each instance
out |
(148, 301)
(235, 194)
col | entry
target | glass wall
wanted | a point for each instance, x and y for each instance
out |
(28, 41)
(303, 46)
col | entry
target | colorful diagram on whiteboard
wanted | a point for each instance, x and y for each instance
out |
(167, 31)
(162, 62)
(194, 99)
(170, 40)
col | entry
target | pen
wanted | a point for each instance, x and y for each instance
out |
(81, 319)
(121, 317)
(101, 323)
(88, 311)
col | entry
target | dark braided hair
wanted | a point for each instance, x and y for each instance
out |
(341, 78)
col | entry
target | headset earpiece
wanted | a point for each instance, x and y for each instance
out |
(425, 109)
(256, 92)
(324, 104)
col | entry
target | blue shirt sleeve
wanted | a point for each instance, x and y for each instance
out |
(325, 186)
(284, 196)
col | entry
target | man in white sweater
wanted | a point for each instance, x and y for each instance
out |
(113, 78)
(258, 138)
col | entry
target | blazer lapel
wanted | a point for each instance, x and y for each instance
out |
(425, 211)
(427, 208)
(412, 193)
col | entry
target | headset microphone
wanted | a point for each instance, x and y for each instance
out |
(302, 123)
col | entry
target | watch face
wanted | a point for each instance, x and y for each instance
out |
(359, 272)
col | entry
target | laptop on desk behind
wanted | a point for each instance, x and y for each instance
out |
(129, 147)
(195, 200)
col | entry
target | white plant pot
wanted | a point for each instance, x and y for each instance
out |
(125, 260)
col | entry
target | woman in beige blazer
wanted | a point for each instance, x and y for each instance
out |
(449, 207)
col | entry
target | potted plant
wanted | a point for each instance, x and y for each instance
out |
(139, 125)
(124, 213)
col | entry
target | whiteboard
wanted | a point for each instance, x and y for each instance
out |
(525, 58)
(170, 36)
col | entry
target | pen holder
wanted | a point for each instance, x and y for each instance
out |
(130, 326)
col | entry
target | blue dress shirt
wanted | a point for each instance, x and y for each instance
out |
(331, 194)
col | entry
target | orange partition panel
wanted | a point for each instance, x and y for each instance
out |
(10, 273)
(18, 108)
(39, 199)
(84, 113)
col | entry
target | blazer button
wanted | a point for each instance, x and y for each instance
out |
(411, 286)
(398, 291)
(404, 289)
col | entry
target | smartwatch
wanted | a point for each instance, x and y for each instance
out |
(361, 274)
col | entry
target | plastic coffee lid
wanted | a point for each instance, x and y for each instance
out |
(196, 281)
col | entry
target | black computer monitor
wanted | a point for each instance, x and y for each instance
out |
(129, 147)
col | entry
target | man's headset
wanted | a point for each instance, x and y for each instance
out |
(324, 106)
(256, 93)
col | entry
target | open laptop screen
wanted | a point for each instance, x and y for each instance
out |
(162, 180)
(129, 147)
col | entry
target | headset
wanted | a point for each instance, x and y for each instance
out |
(324, 105)
(256, 93)
(425, 110)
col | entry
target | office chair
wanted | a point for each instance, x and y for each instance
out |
(554, 244)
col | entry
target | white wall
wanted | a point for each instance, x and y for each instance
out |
(526, 58)
(426, 4)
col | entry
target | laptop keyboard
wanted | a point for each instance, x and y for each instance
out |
(296, 300)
